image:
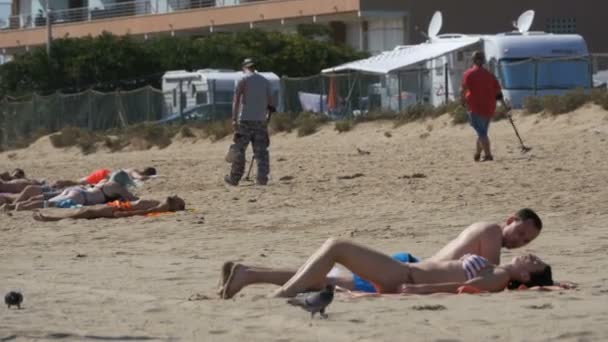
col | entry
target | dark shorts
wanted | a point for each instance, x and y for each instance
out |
(479, 124)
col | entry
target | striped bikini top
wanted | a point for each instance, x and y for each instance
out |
(472, 263)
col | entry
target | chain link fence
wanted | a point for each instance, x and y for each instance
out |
(338, 96)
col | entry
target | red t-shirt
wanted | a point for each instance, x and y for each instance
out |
(97, 176)
(482, 88)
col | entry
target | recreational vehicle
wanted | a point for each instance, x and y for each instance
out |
(205, 94)
(525, 63)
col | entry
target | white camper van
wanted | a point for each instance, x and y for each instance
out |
(526, 64)
(206, 93)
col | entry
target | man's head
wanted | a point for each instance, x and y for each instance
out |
(248, 64)
(521, 228)
(18, 173)
(479, 58)
(122, 177)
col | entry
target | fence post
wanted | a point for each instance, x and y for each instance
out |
(119, 109)
(535, 76)
(399, 105)
(447, 83)
(148, 104)
(90, 103)
(420, 92)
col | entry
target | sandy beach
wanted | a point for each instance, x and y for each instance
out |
(154, 278)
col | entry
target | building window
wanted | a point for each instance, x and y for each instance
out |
(561, 25)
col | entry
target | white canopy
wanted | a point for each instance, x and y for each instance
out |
(402, 57)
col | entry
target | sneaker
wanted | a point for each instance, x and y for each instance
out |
(487, 158)
(476, 157)
(229, 181)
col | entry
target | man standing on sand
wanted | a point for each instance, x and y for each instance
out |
(252, 100)
(482, 238)
(478, 93)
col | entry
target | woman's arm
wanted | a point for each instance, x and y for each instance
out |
(491, 282)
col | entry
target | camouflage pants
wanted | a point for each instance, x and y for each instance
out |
(255, 132)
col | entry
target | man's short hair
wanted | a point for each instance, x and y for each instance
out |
(479, 56)
(529, 214)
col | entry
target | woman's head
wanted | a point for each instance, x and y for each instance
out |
(530, 271)
(122, 177)
(176, 203)
(18, 173)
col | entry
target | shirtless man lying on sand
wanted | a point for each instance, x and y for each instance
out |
(482, 239)
(114, 210)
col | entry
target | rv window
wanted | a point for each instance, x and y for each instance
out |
(201, 97)
(551, 74)
(223, 96)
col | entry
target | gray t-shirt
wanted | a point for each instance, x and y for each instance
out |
(256, 92)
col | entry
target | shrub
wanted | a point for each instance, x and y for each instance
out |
(217, 130)
(186, 132)
(600, 97)
(533, 105)
(74, 136)
(415, 112)
(344, 125)
(282, 122)
(154, 135)
(566, 103)
(309, 123)
(448, 107)
(460, 116)
(67, 137)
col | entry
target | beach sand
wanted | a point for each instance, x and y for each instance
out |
(155, 278)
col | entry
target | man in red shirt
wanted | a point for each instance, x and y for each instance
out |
(479, 92)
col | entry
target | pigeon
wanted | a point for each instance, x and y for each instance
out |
(13, 298)
(362, 152)
(314, 302)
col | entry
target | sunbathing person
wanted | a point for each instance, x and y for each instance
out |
(15, 174)
(101, 174)
(391, 276)
(15, 186)
(113, 189)
(483, 239)
(115, 209)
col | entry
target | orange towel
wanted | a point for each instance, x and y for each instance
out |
(120, 205)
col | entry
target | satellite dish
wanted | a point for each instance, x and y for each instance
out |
(524, 22)
(435, 24)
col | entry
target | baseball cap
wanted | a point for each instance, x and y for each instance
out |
(248, 62)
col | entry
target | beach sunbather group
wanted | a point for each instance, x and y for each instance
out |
(101, 194)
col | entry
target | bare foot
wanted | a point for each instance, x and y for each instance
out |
(235, 282)
(38, 216)
(226, 268)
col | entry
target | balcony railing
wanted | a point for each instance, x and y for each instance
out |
(123, 9)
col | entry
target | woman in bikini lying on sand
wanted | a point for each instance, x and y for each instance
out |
(115, 209)
(107, 191)
(387, 274)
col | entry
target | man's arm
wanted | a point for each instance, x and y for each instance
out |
(236, 103)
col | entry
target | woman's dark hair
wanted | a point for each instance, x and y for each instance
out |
(149, 171)
(18, 173)
(542, 278)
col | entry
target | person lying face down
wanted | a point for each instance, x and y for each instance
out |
(114, 209)
(389, 275)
